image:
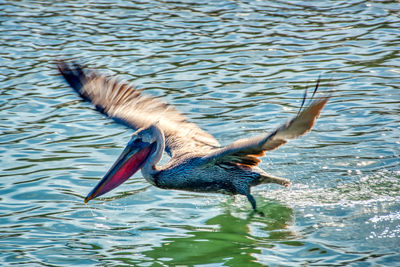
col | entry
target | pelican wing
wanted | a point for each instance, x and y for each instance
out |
(129, 106)
(246, 151)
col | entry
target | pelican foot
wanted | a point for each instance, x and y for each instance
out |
(252, 201)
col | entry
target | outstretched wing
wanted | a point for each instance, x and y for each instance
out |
(129, 106)
(246, 151)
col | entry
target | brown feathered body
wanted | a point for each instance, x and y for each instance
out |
(198, 162)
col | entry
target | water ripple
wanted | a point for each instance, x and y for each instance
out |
(237, 68)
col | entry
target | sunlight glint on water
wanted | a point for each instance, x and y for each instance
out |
(235, 68)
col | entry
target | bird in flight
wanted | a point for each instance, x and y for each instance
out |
(197, 160)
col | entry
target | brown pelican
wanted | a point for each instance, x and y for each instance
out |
(198, 162)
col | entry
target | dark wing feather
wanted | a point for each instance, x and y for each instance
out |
(246, 151)
(129, 106)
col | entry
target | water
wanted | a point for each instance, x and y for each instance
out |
(237, 68)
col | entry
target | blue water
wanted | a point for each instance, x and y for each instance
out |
(237, 69)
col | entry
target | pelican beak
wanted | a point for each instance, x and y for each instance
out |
(129, 162)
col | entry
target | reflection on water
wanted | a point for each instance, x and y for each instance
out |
(237, 69)
(227, 239)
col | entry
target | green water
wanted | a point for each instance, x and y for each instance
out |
(237, 69)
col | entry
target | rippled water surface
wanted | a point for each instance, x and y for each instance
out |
(237, 68)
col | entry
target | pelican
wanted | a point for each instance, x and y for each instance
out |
(197, 161)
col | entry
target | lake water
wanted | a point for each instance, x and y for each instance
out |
(237, 68)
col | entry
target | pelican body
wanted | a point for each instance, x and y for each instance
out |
(198, 162)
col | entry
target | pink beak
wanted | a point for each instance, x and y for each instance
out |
(129, 162)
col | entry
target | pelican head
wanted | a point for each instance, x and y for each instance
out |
(136, 153)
